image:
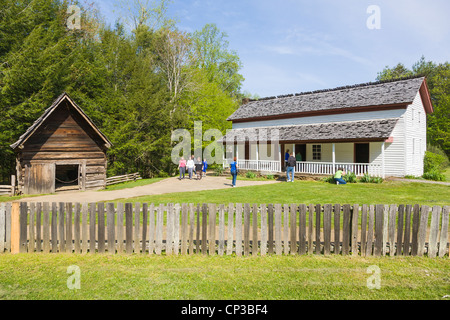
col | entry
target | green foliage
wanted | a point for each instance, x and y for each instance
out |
(350, 177)
(434, 175)
(115, 76)
(329, 180)
(218, 171)
(435, 162)
(370, 179)
(270, 177)
(438, 81)
(250, 175)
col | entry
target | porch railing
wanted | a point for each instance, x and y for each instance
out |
(328, 168)
(257, 165)
(319, 168)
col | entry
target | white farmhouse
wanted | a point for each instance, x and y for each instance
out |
(376, 128)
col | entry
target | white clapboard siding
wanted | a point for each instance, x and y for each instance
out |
(355, 116)
(416, 137)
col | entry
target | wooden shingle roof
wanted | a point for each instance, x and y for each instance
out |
(368, 130)
(33, 128)
(343, 99)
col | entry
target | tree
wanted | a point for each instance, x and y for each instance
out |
(438, 80)
(221, 65)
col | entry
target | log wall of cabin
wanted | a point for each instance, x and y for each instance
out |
(65, 138)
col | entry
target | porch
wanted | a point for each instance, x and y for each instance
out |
(312, 168)
(312, 159)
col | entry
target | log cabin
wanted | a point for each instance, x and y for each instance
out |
(63, 150)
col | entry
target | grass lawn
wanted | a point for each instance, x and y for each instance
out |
(308, 192)
(132, 184)
(44, 277)
(447, 174)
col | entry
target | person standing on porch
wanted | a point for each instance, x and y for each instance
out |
(182, 167)
(338, 176)
(234, 171)
(290, 168)
(286, 157)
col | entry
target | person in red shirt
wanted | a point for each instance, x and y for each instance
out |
(182, 168)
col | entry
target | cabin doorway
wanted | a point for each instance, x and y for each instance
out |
(300, 152)
(362, 153)
(67, 177)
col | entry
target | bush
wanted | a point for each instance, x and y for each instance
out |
(218, 171)
(250, 175)
(350, 177)
(434, 175)
(370, 179)
(329, 180)
(434, 162)
(270, 177)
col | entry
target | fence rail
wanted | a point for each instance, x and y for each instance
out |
(240, 229)
(120, 179)
(9, 189)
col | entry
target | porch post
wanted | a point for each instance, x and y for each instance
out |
(224, 150)
(383, 160)
(257, 156)
(279, 157)
(334, 158)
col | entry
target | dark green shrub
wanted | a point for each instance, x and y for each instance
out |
(434, 175)
(350, 177)
(329, 180)
(434, 162)
(250, 175)
(370, 179)
(218, 171)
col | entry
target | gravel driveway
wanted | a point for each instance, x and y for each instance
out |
(170, 185)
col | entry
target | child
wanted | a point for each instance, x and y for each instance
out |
(205, 166)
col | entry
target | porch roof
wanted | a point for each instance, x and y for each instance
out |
(369, 130)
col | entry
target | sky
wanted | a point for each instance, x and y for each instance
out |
(292, 46)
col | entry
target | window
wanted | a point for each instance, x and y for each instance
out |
(317, 152)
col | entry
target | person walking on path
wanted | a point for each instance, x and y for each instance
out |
(290, 168)
(338, 176)
(234, 171)
(190, 167)
(198, 168)
(205, 166)
(182, 167)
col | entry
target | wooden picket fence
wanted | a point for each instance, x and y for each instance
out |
(240, 229)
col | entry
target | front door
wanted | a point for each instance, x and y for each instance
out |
(362, 154)
(300, 152)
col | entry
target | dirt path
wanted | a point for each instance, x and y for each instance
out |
(170, 185)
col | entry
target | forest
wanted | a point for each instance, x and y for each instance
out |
(138, 80)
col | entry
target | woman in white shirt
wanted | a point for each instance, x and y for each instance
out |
(190, 166)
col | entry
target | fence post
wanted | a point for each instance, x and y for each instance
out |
(15, 228)
(13, 185)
